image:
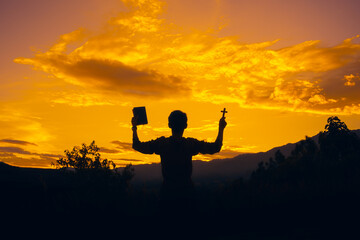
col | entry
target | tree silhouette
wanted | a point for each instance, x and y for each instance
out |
(337, 142)
(326, 168)
(86, 157)
(279, 157)
(335, 126)
(96, 187)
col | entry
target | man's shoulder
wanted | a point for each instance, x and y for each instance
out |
(160, 139)
(192, 140)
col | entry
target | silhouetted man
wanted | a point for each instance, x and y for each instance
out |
(176, 158)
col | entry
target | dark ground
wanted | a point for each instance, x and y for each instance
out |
(38, 201)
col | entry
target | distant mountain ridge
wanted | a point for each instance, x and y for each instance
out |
(220, 169)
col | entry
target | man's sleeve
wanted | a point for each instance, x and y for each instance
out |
(204, 147)
(149, 147)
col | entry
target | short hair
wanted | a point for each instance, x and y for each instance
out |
(177, 120)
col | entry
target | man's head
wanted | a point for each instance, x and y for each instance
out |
(177, 121)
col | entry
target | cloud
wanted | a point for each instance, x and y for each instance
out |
(15, 121)
(82, 99)
(350, 80)
(20, 157)
(24, 152)
(227, 151)
(123, 146)
(108, 150)
(140, 54)
(6, 155)
(19, 142)
(129, 160)
(25, 162)
(114, 75)
(14, 150)
(205, 127)
(48, 155)
(107, 67)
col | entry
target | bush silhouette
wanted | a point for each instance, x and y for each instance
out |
(96, 187)
(88, 163)
(86, 157)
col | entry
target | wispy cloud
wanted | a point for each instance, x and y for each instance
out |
(351, 80)
(109, 150)
(82, 99)
(123, 146)
(21, 157)
(227, 151)
(129, 160)
(22, 123)
(18, 142)
(14, 150)
(19, 150)
(140, 54)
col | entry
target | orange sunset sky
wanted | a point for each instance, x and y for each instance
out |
(72, 70)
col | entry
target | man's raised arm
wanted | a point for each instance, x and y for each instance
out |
(214, 147)
(220, 136)
(143, 147)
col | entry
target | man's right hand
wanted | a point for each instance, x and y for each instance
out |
(134, 121)
(222, 123)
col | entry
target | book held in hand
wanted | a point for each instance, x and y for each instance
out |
(140, 113)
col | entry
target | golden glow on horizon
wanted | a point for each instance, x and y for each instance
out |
(95, 78)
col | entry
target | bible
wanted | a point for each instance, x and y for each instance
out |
(140, 114)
